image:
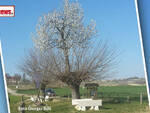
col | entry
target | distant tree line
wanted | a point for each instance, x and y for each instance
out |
(16, 79)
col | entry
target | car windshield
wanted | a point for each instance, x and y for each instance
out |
(49, 90)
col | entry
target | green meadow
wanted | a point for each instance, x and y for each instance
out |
(116, 99)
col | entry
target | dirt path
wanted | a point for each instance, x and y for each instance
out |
(13, 92)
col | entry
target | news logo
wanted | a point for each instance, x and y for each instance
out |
(7, 11)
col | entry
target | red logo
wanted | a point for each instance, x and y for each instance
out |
(7, 11)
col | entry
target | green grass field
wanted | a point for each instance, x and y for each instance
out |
(104, 89)
(114, 100)
(104, 92)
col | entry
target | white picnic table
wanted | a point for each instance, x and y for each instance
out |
(83, 104)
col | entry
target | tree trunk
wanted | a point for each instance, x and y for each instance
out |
(38, 95)
(75, 92)
(67, 67)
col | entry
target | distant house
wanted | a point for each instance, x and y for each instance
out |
(13, 79)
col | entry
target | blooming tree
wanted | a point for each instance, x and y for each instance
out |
(65, 42)
(64, 29)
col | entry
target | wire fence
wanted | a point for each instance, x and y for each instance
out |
(115, 97)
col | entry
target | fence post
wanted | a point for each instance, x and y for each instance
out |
(22, 105)
(102, 95)
(128, 98)
(141, 98)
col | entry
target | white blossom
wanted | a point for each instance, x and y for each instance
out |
(64, 28)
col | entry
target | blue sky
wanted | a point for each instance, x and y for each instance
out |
(116, 22)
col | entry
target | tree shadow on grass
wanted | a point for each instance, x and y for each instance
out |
(105, 108)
